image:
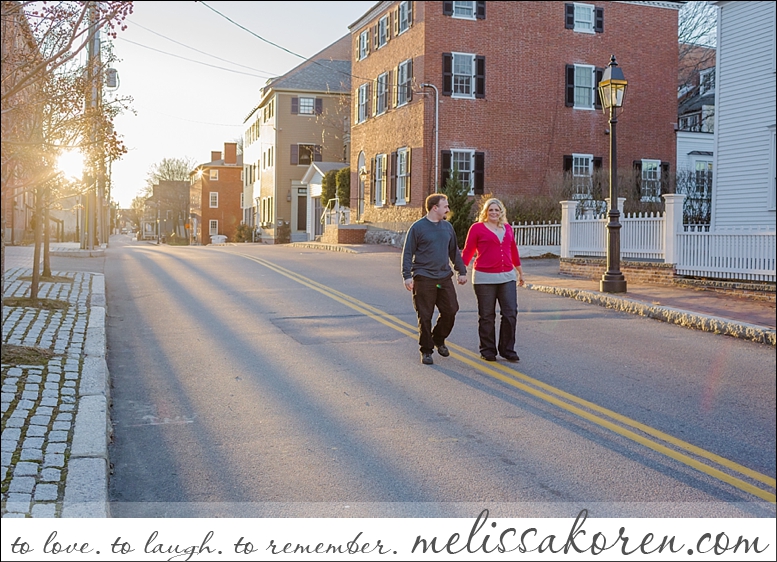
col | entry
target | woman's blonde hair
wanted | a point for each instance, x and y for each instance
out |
(483, 216)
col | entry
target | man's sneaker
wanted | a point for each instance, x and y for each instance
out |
(488, 357)
(511, 357)
(443, 350)
(426, 359)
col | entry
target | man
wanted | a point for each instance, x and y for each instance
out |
(430, 247)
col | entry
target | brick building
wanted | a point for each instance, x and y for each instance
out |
(215, 196)
(518, 106)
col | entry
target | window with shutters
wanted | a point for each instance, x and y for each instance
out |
(585, 86)
(306, 154)
(307, 106)
(584, 18)
(381, 93)
(403, 175)
(463, 75)
(464, 10)
(214, 200)
(464, 162)
(364, 44)
(582, 175)
(380, 180)
(364, 100)
(404, 82)
(405, 16)
(651, 180)
(383, 31)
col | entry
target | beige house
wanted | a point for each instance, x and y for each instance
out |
(302, 117)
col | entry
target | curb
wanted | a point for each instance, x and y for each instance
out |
(86, 485)
(703, 322)
(319, 246)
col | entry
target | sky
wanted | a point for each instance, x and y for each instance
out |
(187, 98)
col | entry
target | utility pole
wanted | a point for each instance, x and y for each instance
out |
(95, 219)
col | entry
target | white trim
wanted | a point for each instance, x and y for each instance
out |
(472, 85)
(213, 231)
(381, 93)
(471, 171)
(578, 193)
(592, 10)
(402, 178)
(657, 196)
(593, 86)
(213, 175)
(474, 15)
(213, 200)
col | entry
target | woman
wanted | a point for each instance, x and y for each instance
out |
(491, 242)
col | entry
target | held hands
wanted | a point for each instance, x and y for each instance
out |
(409, 284)
(462, 280)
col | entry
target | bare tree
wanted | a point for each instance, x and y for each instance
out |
(169, 169)
(696, 34)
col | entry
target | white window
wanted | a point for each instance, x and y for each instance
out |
(364, 93)
(463, 161)
(214, 175)
(582, 174)
(463, 75)
(307, 106)
(364, 44)
(213, 227)
(464, 10)
(383, 31)
(382, 94)
(380, 180)
(306, 154)
(214, 199)
(404, 16)
(703, 177)
(584, 18)
(404, 82)
(403, 176)
(651, 180)
(584, 86)
(707, 81)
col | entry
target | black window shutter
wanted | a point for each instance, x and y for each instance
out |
(447, 74)
(409, 14)
(597, 97)
(372, 180)
(294, 105)
(569, 16)
(665, 183)
(317, 153)
(598, 177)
(638, 176)
(480, 76)
(567, 163)
(446, 168)
(480, 164)
(447, 8)
(480, 10)
(570, 89)
(375, 38)
(599, 20)
(319, 106)
(393, 178)
(294, 154)
(409, 87)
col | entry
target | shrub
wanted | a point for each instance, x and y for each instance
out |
(460, 204)
(344, 186)
(245, 233)
(328, 187)
(283, 232)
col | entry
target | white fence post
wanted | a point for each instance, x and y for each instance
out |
(568, 209)
(621, 201)
(673, 225)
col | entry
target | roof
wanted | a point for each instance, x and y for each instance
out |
(215, 163)
(322, 168)
(321, 76)
(695, 103)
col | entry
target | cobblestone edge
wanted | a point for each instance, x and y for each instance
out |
(705, 323)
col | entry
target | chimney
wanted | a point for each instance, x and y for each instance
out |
(230, 153)
(215, 155)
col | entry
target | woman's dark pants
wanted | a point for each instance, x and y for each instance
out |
(488, 295)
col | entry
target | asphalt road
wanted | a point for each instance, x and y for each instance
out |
(285, 382)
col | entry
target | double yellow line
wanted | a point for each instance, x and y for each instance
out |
(573, 404)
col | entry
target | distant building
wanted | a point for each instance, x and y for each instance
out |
(215, 196)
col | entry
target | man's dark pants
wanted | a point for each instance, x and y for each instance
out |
(488, 295)
(428, 293)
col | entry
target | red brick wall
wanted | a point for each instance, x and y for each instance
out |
(229, 214)
(343, 235)
(634, 272)
(523, 125)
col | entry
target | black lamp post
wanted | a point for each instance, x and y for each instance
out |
(612, 89)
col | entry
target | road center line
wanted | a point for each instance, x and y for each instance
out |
(509, 377)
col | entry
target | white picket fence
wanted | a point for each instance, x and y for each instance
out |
(731, 254)
(537, 239)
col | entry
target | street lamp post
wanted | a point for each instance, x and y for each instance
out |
(436, 131)
(612, 89)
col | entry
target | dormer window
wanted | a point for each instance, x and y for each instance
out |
(707, 81)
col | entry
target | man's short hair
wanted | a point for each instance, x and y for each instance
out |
(434, 199)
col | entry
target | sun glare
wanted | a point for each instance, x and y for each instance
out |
(71, 163)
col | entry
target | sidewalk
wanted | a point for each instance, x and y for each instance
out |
(55, 415)
(704, 310)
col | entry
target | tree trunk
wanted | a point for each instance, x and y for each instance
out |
(37, 227)
(46, 236)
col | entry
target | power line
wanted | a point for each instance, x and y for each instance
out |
(192, 60)
(199, 51)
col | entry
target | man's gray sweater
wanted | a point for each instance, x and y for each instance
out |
(430, 247)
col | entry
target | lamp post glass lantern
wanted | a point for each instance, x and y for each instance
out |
(612, 90)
